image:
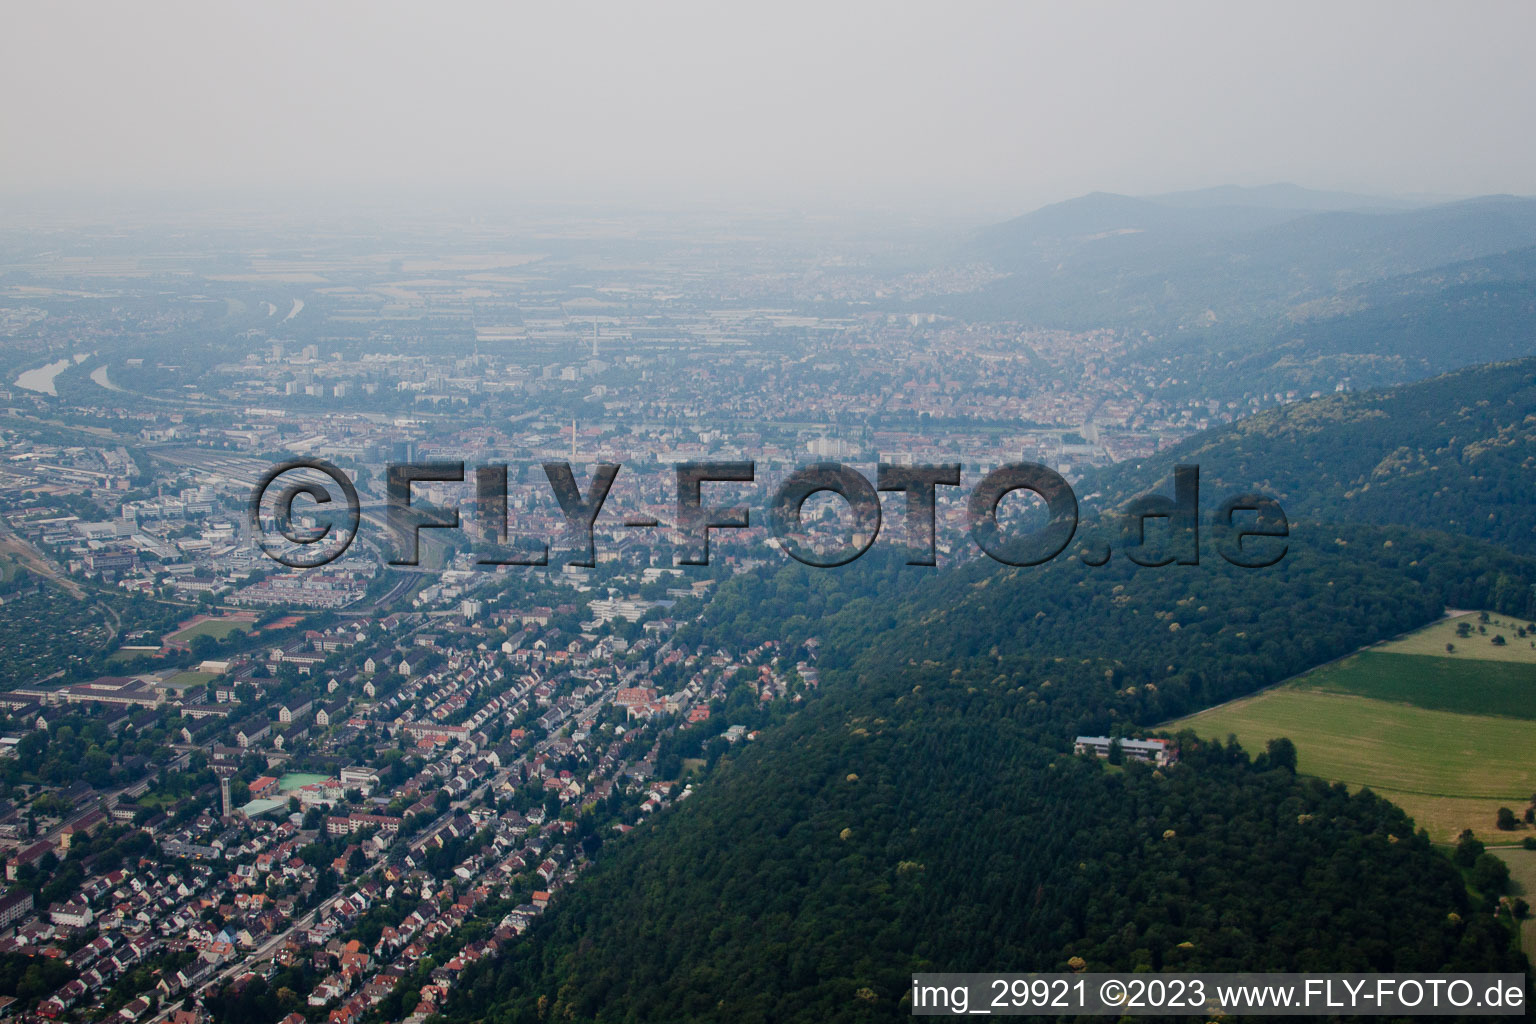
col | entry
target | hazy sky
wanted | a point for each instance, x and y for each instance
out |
(997, 106)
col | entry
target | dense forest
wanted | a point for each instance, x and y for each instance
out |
(926, 813)
(954, 843)
(1454, 454)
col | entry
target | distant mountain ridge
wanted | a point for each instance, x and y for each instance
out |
(1286, 196)
(1222, 257)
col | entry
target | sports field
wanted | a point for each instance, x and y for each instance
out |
(129, 653)
(216, 628)
(189, 678)
(1446, 738)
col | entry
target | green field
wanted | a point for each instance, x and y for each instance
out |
(1432, 639)
(1448, 771)
(123, 654)
(189, 678)
(219, 629)
(1444, 737)
(293, 780)
(1522, 871)
(1463, 686)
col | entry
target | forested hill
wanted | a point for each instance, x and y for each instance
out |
(925, 811)
(1406, 328)
(1456, 453)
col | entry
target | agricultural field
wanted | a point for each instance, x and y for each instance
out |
(1446, 737)
(1522, 872)
(1431, 640)
(1461, 686)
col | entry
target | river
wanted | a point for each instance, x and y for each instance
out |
(40, 379)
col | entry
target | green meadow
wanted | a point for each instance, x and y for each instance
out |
(1447, 738)
(1462, 686)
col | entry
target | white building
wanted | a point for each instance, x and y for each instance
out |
(1161, 752)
